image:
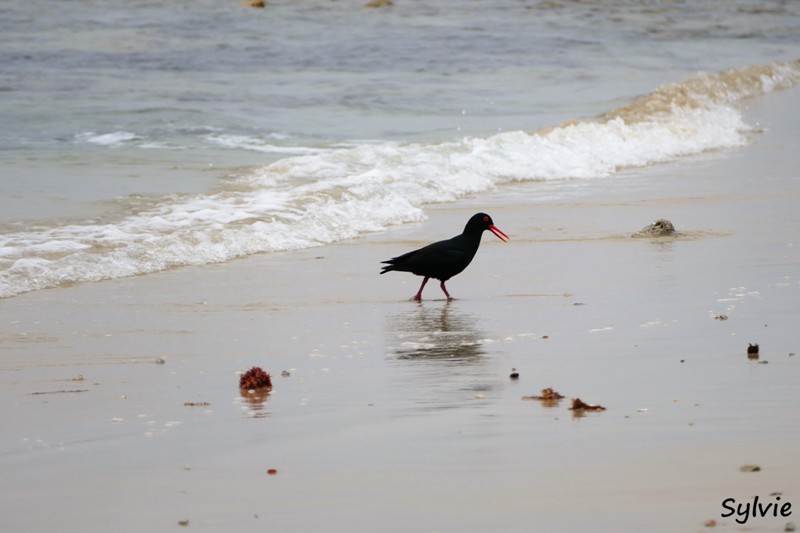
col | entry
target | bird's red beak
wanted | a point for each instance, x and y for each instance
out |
(499, 234)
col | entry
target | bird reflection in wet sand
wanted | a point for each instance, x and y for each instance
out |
(439, 356)
(435, 333)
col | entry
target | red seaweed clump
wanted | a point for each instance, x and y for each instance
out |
(254, 379)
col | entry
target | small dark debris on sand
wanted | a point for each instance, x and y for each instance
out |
(514, 374)
(580, 405)
(59, 392)
(749, 468)
(196, 404)
(752, 349)
(255, 379)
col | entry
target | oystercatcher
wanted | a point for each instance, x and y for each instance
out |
(444, 259)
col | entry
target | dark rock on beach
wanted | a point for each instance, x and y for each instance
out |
(752, 351)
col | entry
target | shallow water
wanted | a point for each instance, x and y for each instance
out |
(151, 135)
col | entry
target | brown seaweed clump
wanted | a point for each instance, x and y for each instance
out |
(548, 394)
(549, 397)
(580, 405)
(255, 379)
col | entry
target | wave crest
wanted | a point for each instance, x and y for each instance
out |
(333, 194)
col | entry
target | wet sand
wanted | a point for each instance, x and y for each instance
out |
(401, 417)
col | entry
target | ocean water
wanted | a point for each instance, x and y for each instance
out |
(144, 135)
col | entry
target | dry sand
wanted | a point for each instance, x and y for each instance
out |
(401, 417)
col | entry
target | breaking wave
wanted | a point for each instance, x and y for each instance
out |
(323, 195)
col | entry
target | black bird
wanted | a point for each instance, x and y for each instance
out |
(444, 259)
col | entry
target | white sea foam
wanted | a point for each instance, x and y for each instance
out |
(106, 139)
(248, 142)
(333, 194)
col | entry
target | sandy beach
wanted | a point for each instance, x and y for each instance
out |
(399, 416)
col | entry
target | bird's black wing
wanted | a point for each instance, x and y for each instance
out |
(440, 260)
(401, 262)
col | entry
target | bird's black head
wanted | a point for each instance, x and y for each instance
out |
(480, 222)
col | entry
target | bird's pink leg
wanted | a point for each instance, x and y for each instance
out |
(418, 296)
(445, 291)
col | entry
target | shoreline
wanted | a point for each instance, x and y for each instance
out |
(399, 416)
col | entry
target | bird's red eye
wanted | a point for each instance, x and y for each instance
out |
(486, 219)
